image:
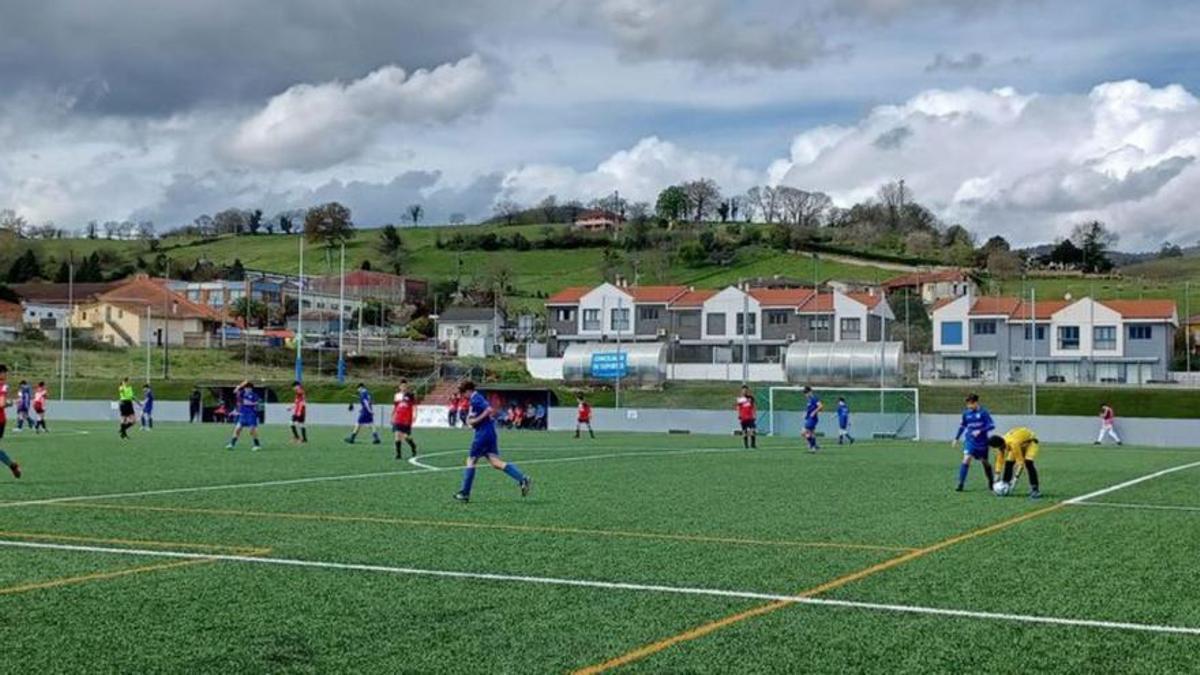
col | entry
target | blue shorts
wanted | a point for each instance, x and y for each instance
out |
(810, 424)
(22, 408)
(485, 445)
(366, 417)
(248, 420)
(980, 454)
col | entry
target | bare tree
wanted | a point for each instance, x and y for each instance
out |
(803, 208)
(549, 208)
(894, 196)
(702, 197)
(231, 221)
(145, 230)
(508, 210)
(415, 212)
(11, 222)
(111, 229)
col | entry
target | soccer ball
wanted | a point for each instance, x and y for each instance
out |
(1001, 488)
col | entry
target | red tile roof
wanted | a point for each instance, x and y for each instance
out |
(694, 298)
(821, 303)
(1142, 309)
(871, 300)
(933, 276)
(138, 293)
(994, 306)
(1042, 310)
(781, 297)
(655, 294)
(11, 314)
(42, 292)
(568, 296)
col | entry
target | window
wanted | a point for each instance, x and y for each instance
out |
(1140, 333)
(120, 314)
(1068, 337)
(1104, 337)
(620, 318)
(952, 333)
(742, 320)
(776, 317)
(564, 315)
(716, 323)
(984, 327)
(851, 329)
(816, 323)
(591, 319)
(647, 314)
(1029, 332)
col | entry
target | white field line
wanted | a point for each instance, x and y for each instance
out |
(617, 586)
(1154, 507)
(425, 468)
(1129, 483)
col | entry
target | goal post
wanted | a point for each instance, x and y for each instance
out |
(887, 412)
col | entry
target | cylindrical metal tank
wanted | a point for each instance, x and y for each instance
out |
(646, 362)
(844, 362)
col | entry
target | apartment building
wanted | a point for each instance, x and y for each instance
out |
(1006, 339)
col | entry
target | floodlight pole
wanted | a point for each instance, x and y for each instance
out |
(148, 343)
(341, 362)
(617, 389)
(299, 316)
(746, 333)
(1033, 320)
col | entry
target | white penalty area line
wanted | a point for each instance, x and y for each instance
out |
(1129, 483)
(422, 469)
(1149, 507)
(615, 586)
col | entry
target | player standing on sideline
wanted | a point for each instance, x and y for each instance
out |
(299, 414)
(147, 407)
(247, 403)
(747, 412)
(125, 406)
(4, 458)
(485, 445)
(366, 416)
(194, 400)
(584, 416)
(1018, 445)
(976, 424)
(464, 409)
(452, 414)
(812, 412)
(39, 407)
(24, 400)
(403, 408)
(1108, 420)
(843, 418)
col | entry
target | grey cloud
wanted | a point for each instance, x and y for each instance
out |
(957, 64)
(890, 140)
(149, 57)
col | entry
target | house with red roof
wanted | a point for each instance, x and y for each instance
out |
(934, 285)
(141, 308)
(598, 220)
(1009, 339)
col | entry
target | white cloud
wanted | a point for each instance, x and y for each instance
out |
(315, 126)
(1026, 166)
(639, 173)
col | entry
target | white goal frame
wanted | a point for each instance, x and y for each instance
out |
(913, 391)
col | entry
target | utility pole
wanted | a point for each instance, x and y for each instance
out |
(341, 362)
(299, 316)
(745, 332)
(166, 330)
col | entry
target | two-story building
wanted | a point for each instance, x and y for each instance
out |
(1006, 339)
(714, 326)
(934, 285)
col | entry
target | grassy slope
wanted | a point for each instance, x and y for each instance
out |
(1154, 279)
(1085, 563)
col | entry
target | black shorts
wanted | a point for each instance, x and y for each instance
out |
(402, 429)
(126, 408)
(299, 419)
(2, 424)
(747, 425)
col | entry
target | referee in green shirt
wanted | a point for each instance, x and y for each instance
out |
(125, 402)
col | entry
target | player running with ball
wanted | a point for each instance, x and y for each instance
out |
(976, 425)
(485, 445)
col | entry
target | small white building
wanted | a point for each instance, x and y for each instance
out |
(470, 331)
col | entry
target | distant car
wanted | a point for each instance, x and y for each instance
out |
(1056, 378)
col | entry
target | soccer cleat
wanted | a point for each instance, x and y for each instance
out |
(399, 455)
(958, 488)
(376, 442)
(526, 486)
(229, 446)
(349, 440)
(462, 497)
(1096, 443)
(414, 450)
(1035, 494)
(15, 469)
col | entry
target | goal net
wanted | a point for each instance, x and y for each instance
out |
(874, 413)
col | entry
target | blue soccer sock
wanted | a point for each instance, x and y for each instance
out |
(468, 480)
(514, 472)
(962, 473)
(812, 441)
(5, 459)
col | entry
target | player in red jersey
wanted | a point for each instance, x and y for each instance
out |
(40, 396)
(299, 414)
(1108, 424)
(404, 406)
(747, 412)
(584, 417)
(4, 458)
(464, 409)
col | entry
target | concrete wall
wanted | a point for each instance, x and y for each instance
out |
(729, 372)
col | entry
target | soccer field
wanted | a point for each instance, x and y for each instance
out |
(638, 553)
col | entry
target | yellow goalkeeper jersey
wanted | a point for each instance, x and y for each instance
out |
(1020, 444)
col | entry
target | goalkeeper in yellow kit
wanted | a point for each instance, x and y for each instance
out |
(1018, 446)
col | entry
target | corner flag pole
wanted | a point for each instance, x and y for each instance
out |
(300, 317)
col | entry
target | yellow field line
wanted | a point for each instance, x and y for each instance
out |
(97, 576)
(333, 517)
(713, 626)
(50, 536)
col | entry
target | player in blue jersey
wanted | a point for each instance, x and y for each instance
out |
(812, 413)
(366, 416)
(4, 403)
(247, 407)
(24, 401)
(147, 407)
(974, 431)
(843, 419)
(485, 444)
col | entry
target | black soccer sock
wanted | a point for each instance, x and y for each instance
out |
(1008, 471)
(1033, 476)
(987, 471)
(295, 433)
(412, 444)
(399, 446)
(754, 440)
(746, 441)
(304, 434)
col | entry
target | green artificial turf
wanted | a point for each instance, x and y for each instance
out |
(658, 510)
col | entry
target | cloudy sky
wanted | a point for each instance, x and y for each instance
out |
(1017, 117)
